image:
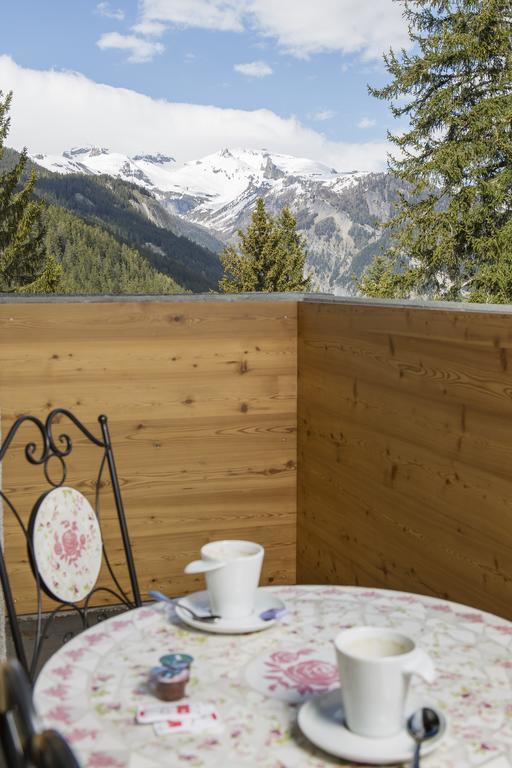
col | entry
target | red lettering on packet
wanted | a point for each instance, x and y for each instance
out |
(174, 723)
(183, 709)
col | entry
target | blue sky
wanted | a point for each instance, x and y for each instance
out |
(307, 71)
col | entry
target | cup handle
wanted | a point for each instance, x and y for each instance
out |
(201, 566)
(422, 665)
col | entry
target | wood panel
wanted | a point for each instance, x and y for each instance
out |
(405, 450)
(201, 400)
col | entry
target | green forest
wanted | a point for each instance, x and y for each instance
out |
(93, 261)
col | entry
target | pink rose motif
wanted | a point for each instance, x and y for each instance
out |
(503, 629)
(97, 638)
(284, 657)
(69, 547)
(59, 691)
(57, 548)
(69, 542)
(77, 654)
(59, 714)
(63, 672)
(476, 618)
(79, 734)
(121, 624)
(102, 760)
(313, 673)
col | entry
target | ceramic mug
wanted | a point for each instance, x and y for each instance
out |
(232, 570)
(375, 666)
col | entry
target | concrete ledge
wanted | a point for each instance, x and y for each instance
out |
(315, 298)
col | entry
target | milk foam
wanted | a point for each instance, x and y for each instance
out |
(376, 648)
(230, 552)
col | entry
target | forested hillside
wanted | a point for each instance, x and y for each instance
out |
(107, 244)
(116, 206)
(93, 261)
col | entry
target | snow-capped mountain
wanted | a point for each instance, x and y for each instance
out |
(336, 211)
(149, 171)
(217, 189)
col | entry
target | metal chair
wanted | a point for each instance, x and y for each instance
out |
(68, 544)
(18, 720)
(23, 742)
(49, 749)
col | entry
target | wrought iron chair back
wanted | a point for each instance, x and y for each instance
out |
(59, 448)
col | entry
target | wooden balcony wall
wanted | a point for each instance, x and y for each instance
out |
(404, 435)
(405, 450)
(201, 399)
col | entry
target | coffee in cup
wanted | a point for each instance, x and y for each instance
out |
(375, 666)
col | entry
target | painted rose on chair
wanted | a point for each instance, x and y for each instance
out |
(67, 544)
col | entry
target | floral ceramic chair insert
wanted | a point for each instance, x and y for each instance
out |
(63, 533)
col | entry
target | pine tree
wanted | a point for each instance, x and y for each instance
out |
(23, 262)
(272, 256)
(452, 233)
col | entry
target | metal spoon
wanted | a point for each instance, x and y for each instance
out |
(422, 725)
(211, 617)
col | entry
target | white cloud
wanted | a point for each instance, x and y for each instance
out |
(140, 50)
(73, 110)
(323, 114)
(104, 9)
(254, 69)
(366, 122)
(301, 27)
(206, 14)
(149, 28)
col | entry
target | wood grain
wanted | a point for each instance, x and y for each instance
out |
(405, 444)
(201, 400)
(405, 449)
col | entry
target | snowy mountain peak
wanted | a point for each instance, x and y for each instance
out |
(157, 159)
(83, 152)
(215, 190)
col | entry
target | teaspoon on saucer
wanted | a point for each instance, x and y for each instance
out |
(422, 725)
(211, 617)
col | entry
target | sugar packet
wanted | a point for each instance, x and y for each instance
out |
(155, 713)
(188, 724)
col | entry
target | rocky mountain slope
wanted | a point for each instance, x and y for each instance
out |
(337, 212)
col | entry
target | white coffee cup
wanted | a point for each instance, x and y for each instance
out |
(232, 570)
(375, 666)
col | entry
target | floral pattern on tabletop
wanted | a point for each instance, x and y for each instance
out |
(101, 683)
(293, 674)
(67, 544)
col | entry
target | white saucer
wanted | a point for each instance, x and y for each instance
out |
(321, 721)
(200, 603)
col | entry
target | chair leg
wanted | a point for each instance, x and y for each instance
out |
(9, 739)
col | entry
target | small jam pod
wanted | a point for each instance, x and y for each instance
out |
(170, 679)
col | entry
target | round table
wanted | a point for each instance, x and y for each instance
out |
(91, 688)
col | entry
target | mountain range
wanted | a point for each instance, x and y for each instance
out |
(208, 200)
